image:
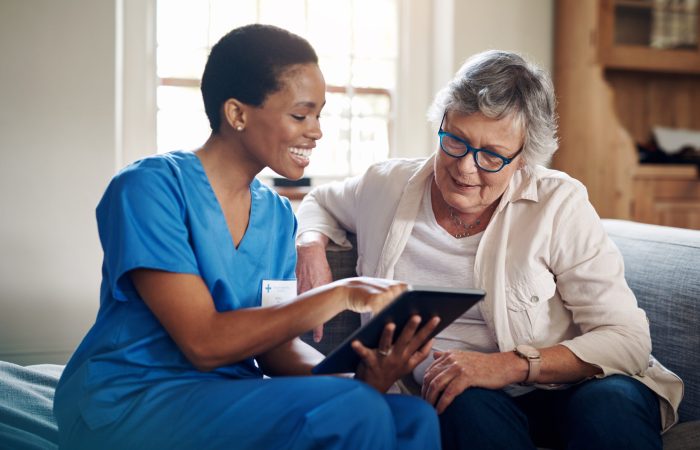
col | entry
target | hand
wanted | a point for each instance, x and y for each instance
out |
(365, 294)
(454, 371)
(312, 267)
(382, 366)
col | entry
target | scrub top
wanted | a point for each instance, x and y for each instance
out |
(161, 213)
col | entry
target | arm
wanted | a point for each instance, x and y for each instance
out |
(294, 357)
(330, 210)
(453, 372)
(312, 268)
(614, 331)
(209, 339)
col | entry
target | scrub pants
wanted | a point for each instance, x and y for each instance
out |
(277, 413)
(616, 412)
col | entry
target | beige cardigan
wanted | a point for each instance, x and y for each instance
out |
(551, 273)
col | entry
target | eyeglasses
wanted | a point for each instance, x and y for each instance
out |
(485, 160)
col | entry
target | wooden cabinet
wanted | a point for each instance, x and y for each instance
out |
(615, 81)
(667, 195)
(649, 35)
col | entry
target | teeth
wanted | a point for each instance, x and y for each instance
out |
(305, 152)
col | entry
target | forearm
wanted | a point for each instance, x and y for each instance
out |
(312, 239)
(558, 365)
(236, 335)
(295, 357)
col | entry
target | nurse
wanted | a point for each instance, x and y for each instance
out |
(197, 253)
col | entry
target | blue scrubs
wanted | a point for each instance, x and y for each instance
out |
(129, 385)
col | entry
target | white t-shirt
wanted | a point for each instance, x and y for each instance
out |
(434, 257)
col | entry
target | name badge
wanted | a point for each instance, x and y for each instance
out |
(275, 292)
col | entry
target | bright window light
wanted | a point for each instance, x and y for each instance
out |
(357, 45)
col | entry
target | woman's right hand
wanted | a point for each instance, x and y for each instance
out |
(391, 360)
(365, 294)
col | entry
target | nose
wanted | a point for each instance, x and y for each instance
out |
(314, 131)
(467, 163)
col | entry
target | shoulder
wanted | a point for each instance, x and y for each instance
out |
(166, 167)
(151, 179)
(391, 174)
(402, 167)
(556, 186)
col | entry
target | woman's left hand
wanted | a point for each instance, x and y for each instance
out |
(454, 371)
(381, 367)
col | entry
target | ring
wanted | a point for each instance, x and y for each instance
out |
(384, 352)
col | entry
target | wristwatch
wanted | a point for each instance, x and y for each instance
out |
(532, 356)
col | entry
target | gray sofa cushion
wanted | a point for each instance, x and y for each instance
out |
(662, 266)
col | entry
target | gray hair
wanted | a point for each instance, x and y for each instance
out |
(499, 83)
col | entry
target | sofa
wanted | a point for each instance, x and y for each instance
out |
(662, 266)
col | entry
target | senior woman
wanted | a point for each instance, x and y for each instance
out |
(558, 353)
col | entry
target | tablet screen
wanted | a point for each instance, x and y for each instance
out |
(426, 301)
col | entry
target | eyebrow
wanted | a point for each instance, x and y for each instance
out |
(308, 104)
(492, 147)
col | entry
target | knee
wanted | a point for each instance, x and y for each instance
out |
(615, 412)
(413, 410)
(616, 396)
(478, 407)
(367, 400)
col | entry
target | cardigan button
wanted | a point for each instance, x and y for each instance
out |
(534, 299)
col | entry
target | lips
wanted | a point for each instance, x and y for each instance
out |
(300, 155)
(464, 185)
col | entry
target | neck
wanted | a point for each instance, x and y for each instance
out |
(455, 222)
(229, 169)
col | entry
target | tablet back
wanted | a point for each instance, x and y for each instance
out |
(447, 303)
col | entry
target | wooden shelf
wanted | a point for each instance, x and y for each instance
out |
(667, 171)
(610, 98)
(635, 56)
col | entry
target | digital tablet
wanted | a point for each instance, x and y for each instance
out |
(426, 301)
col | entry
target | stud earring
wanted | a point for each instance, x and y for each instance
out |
(239, 128)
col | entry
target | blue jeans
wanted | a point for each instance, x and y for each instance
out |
(616, 412)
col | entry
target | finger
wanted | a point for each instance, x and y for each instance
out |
(409, 330)
(452, 390)
(367, 355)
(435, 370)
(318, 333)
(385, 342)
(435, 387)
(437, 366)
(420, 355)
(421, 337)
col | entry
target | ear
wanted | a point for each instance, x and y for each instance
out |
(234, 114)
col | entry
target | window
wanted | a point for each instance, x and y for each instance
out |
(357, 45)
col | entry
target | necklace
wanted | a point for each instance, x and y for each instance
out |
(467, 227)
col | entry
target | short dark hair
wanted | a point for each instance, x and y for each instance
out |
(246, 64)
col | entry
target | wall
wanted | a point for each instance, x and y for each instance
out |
(439, 35)
(67, 122)
(525, 26)
(57, 127)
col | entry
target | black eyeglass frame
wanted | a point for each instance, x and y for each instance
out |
(475, 151)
